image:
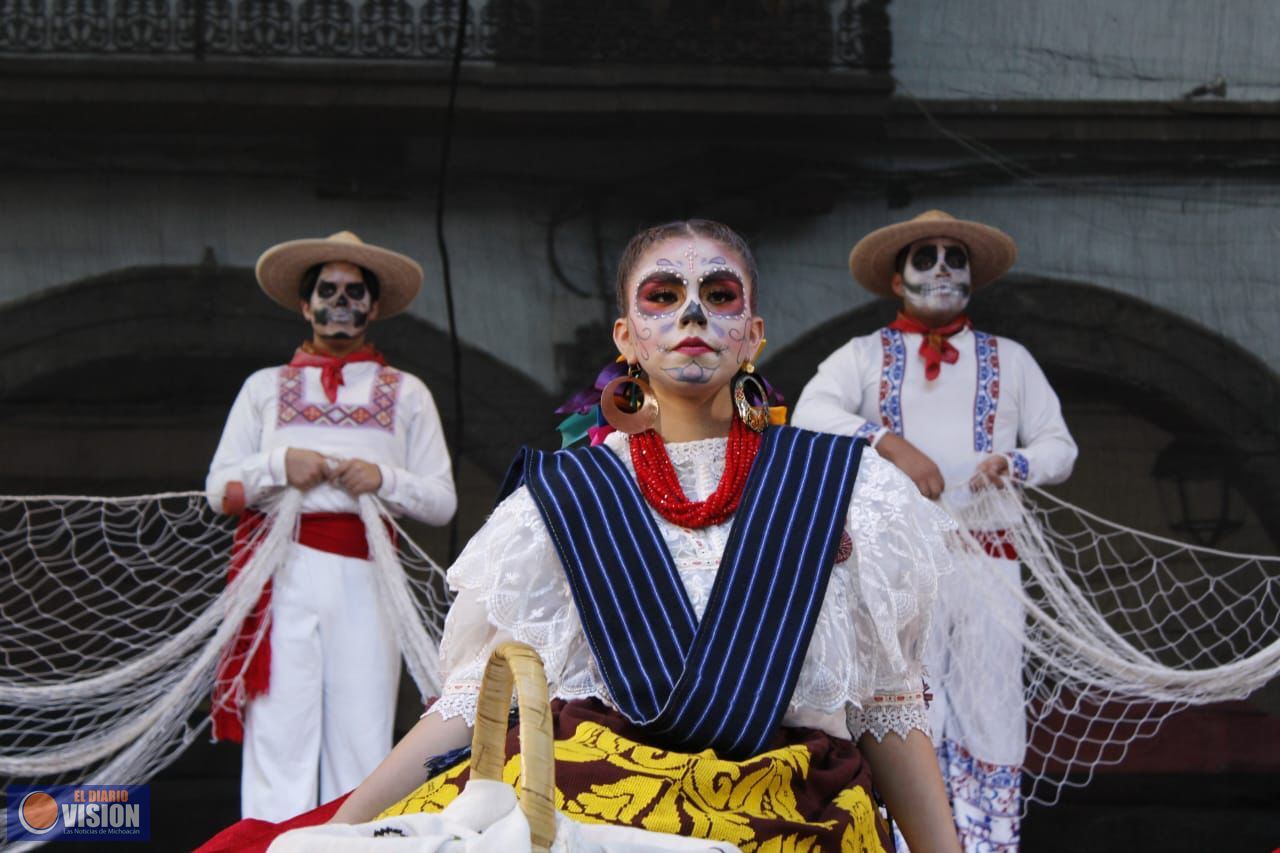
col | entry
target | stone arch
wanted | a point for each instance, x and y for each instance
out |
(168, 347)
(1100, 344)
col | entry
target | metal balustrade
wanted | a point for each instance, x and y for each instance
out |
(830, 34)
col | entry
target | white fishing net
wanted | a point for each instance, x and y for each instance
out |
(117, 611)
(1111, 629)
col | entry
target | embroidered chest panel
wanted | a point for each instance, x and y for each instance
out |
(987, 394)
(378, 413)
(893, 369)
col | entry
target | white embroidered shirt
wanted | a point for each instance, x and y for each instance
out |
(381, 415)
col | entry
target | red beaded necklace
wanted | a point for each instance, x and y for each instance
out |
(661, 488)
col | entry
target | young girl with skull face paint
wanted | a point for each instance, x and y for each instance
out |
(951, 405)
(758, 559)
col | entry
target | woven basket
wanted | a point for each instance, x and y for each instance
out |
(517, 665)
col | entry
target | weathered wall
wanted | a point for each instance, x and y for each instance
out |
(1204, 251)
(1085, 49)
(1201, 250)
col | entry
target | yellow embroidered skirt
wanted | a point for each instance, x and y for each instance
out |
(807, 792)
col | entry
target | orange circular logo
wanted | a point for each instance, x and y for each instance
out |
(38, 812)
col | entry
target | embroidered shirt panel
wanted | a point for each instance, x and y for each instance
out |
(378, 413)
(892, 371)
(986, 397)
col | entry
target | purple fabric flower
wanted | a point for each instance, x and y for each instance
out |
(584, 400)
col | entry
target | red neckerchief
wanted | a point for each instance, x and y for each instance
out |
(331, 365)
(935, 348)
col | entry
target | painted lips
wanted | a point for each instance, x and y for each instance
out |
(693, 346)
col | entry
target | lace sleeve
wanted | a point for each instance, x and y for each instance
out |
(509, 586)
(900, 549)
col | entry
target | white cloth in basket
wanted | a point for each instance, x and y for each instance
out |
(485, 818)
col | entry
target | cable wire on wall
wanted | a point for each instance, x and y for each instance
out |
(455, 348)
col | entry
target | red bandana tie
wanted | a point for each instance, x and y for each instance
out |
(331, 366)
(935, 348)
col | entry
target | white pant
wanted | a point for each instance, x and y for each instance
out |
(978, 712)
(326, 720)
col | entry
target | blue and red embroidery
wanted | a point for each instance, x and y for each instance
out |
(1021, 467)
(867, 431)
(893, 369)
(378, 413)
(986, 799)
(987, 395)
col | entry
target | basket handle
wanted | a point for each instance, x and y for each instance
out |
(517, 665)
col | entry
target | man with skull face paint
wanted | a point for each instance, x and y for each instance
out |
(957, 410)
(336, 423)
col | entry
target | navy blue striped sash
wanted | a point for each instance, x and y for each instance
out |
(725, 682)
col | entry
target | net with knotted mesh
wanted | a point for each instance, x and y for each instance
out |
(1117, 630)
(117, 613)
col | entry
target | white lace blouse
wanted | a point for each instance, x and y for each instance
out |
(862, 672)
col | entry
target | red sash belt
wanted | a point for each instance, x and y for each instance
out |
(340, 533)
(997, 543)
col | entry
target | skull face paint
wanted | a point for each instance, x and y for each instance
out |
(690, 318)
(936, 279)
(341, 304)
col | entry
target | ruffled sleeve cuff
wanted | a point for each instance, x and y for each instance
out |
(890, 712)
(460, 695)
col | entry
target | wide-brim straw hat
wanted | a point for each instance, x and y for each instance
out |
(991, 251)
(281, 267)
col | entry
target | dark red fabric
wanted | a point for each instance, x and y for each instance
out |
(996, 543)
(228, 723)
(934, 348)
(835, 764)
(340, 533)
(331, 366)
(254, 836)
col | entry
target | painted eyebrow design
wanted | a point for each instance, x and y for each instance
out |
(664, 276)
(722, 274)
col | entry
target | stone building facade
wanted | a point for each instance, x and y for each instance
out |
(150, 149)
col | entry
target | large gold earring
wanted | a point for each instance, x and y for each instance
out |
(628, 404)
(754, 415)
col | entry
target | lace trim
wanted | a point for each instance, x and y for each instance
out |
(459, 704)
(895, 712)
(461, 700)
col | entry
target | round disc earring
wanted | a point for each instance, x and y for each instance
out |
(755, 416)
(628, 404)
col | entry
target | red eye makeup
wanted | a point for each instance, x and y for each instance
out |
(660, 293)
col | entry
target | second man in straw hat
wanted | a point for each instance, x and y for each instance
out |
(956, 409)
(314, 702)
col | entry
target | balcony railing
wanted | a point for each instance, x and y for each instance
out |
(832, 34)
